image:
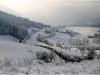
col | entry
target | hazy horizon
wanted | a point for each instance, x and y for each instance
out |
(55, 12)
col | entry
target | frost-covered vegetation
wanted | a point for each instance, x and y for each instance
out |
(16, 26)
(51, 50)
(22, 59)
(28, 59)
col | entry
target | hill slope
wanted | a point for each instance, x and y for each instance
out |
(16, 26)
(19, 21)
(18, 58)
(8, 38)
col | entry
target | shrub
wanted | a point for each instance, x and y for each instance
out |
(38, 54)
(42, 55)
(70, 58)
(91, 54)
(48, 31)
(40, 38)
(45, 56)
(51, 56)
(89, 36)
(27, 61)
(71, 35)
(96, 71)
(98, 56)
(97, 48)
(82, 52)
(7, 62)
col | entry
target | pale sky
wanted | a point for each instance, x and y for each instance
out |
(55, 12)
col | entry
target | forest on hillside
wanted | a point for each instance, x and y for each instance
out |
(16, 26)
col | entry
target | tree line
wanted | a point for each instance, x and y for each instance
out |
(17, 26)
(12, 19)
(17, 31)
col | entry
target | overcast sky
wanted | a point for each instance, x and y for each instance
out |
(55, 12)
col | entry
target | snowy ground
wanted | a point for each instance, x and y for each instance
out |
(83, 30)
(62, 37)
(33, 39)
(19, 53)
(8, 38)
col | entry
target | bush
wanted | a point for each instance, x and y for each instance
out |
(48, 31)
(89, 36)
(70, 58)
(39, 54)
(42, 55)
(97, 48)
(51, 56)
(98, 56)
(45, 56)
(7, 62)
(27, 61)
(91, 54)
(78, 41)
(71, 35)
(96, 71)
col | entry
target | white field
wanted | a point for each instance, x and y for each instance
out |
(64, 38)
(33, 39)
(83, 30)
(8, 38)
(17, 53)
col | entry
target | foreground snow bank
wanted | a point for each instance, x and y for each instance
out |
(20, 59)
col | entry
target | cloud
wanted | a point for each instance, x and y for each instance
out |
(8, 10)
(57, 12)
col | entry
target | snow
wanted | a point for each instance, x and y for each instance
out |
(32, 28)
(59, 37)
(83, 30)
(33, 39)
(15, 51)
(8, 38)
(18, 53)
(64, 38)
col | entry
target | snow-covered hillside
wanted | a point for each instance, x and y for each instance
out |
(8, 38)
(17, 50)
(33, 39)
(62, 37)
(15, 56)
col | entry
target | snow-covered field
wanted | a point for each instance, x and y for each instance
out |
(17, 54)
(33, 39)
(8, 38)
(64, 38)
(83, 30)
(17, 58)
